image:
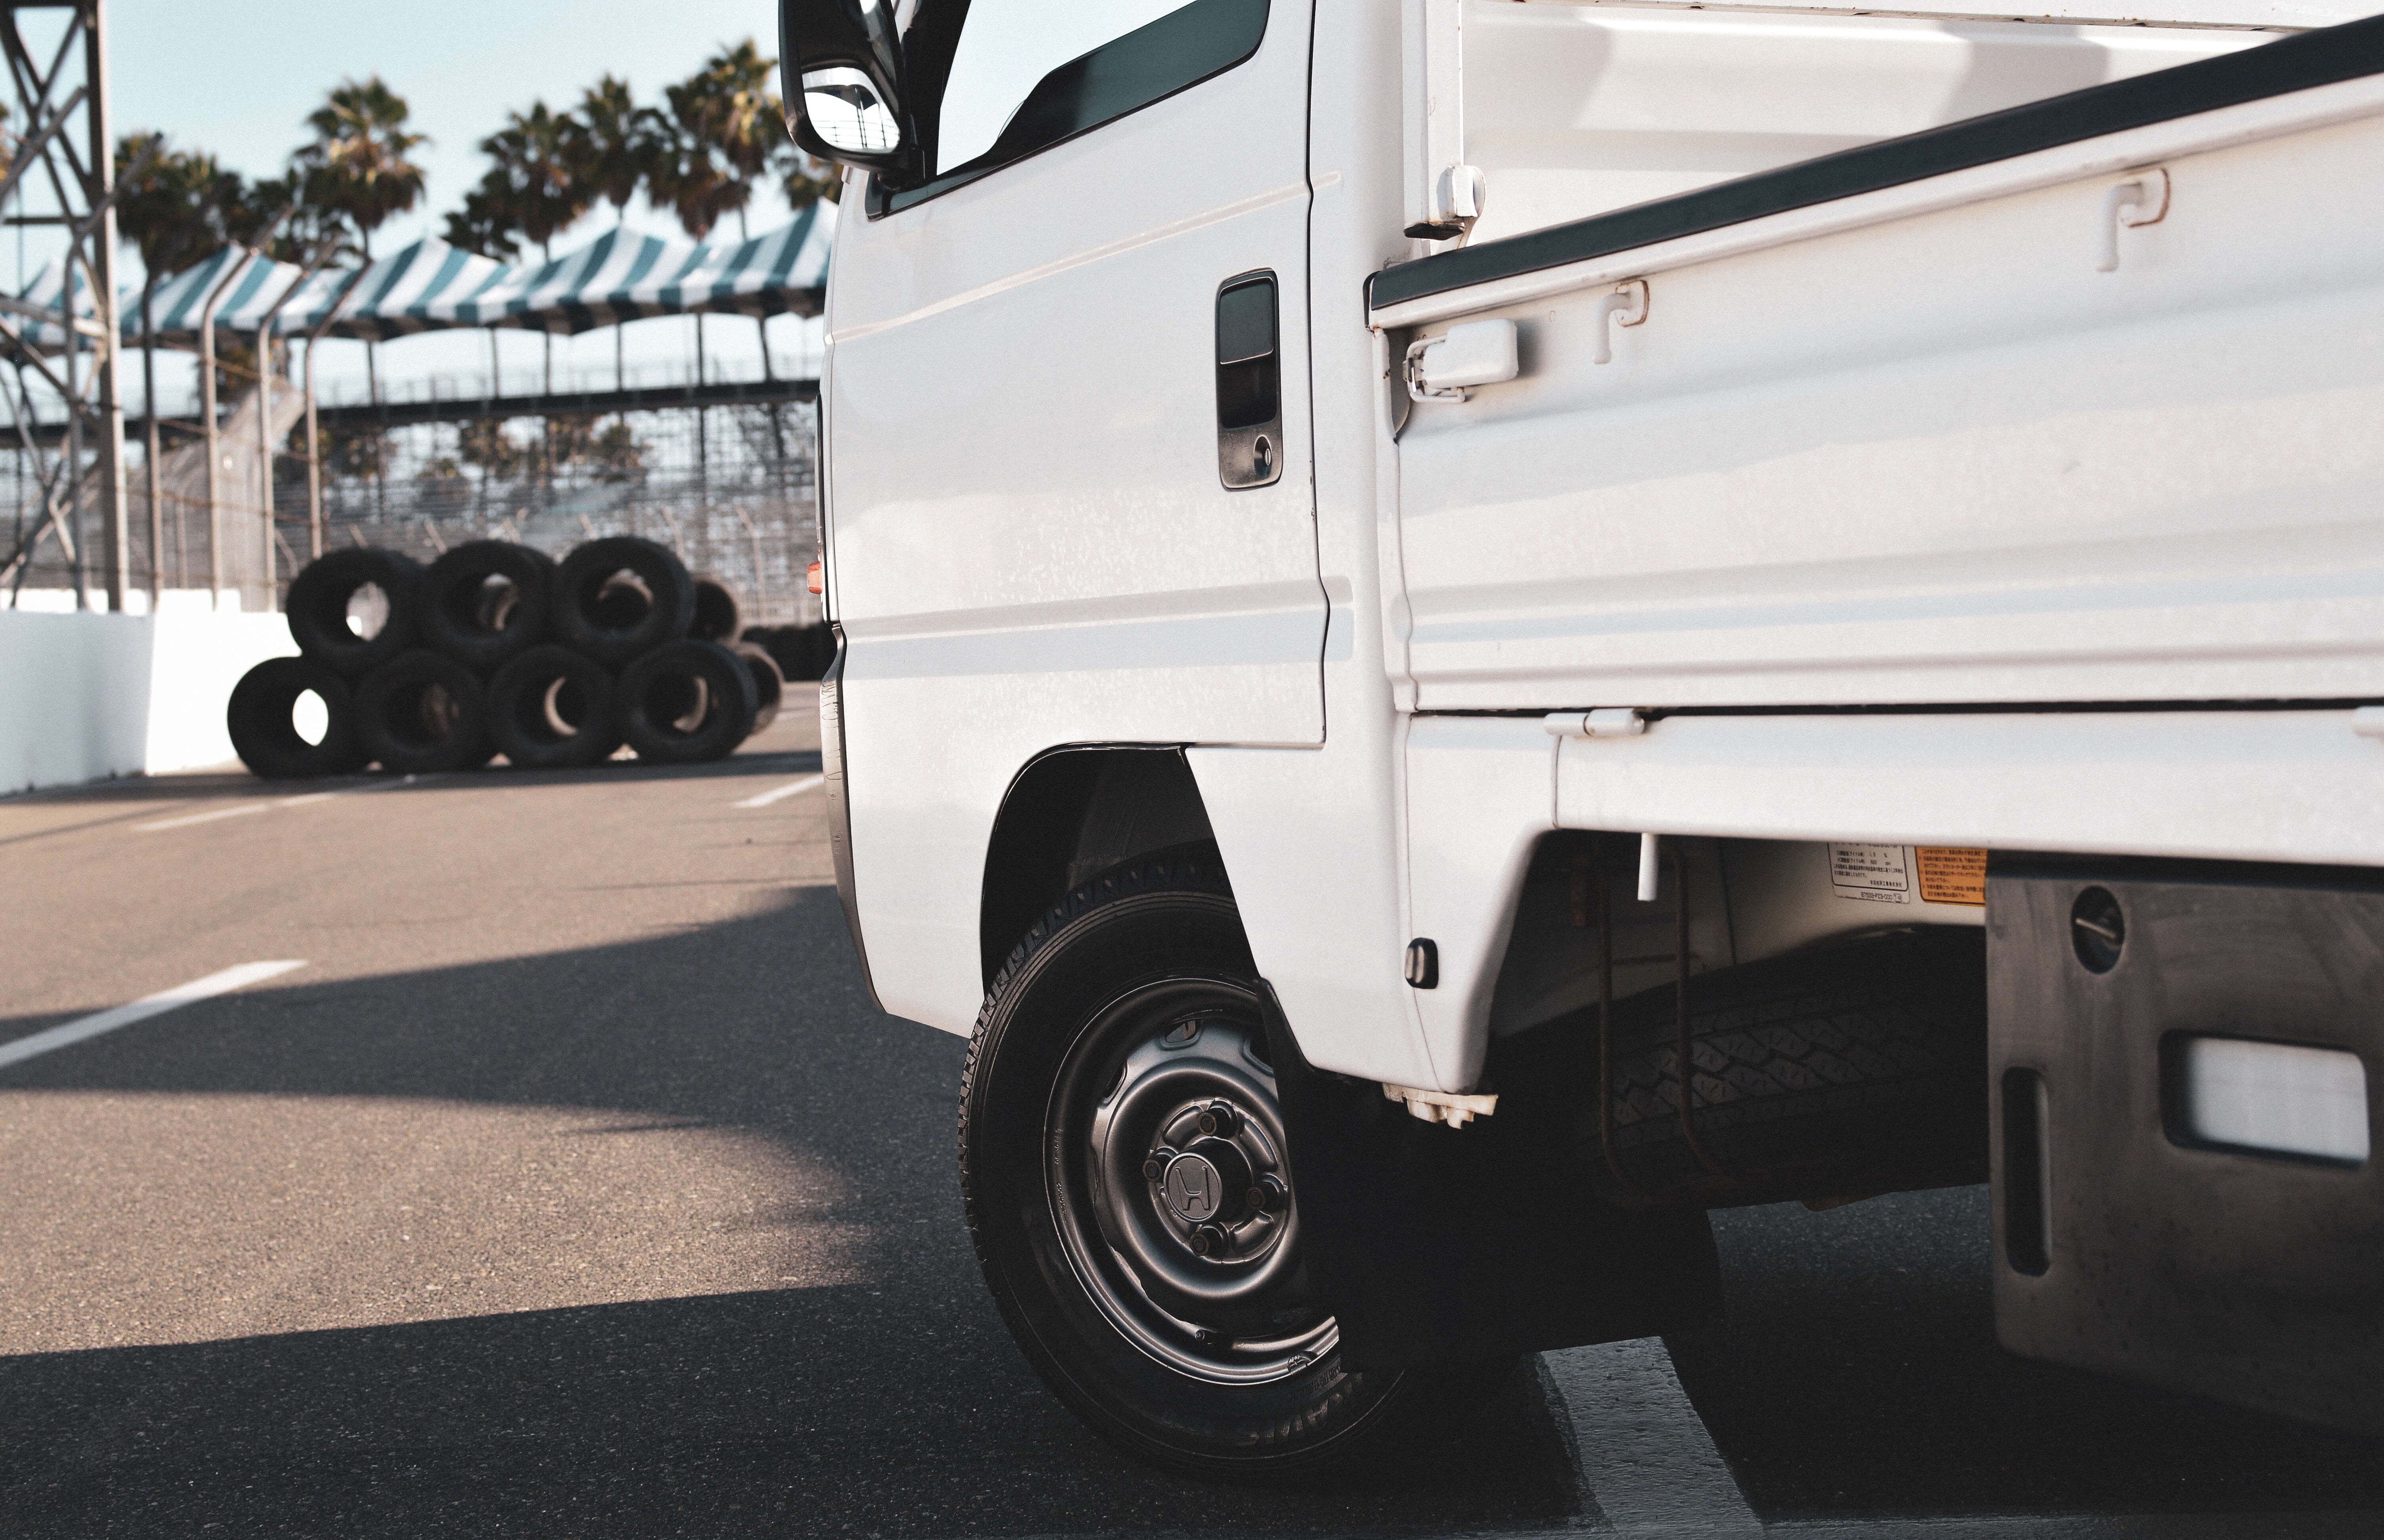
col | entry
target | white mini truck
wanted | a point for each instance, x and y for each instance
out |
(1471, 629)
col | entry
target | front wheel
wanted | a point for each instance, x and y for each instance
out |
(1131, 1194)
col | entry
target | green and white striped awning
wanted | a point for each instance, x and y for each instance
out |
(429, 286)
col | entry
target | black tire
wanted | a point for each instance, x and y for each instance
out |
(422, 712)
(718, 616)
(684, 703)
(1841, 1071)
(485, 602)
(552, 709)
(262, 720)
(319, 597)
(769, 685)
(618, 598)
(1131, 1002)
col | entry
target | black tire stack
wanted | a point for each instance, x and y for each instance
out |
(496, 649)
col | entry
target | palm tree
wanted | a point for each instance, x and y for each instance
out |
(358, 168)
(485, 225)
(726, 132)
(536, 182)
(539, 172)
(613, 147)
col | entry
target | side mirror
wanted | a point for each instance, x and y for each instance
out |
(841, 67)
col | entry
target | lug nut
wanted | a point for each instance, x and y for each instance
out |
(1218, 1118)
(1265, 1195)
(1156, 1166)
(1210, 1241)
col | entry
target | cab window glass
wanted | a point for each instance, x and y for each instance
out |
(1027, 74)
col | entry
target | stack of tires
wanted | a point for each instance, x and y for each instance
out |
(496, 649)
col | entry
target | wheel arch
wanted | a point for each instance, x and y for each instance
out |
(1071, 813)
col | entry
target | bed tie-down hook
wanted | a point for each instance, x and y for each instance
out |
(2142, 199)
(1626, 306)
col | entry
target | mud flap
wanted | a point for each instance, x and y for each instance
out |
(2187, 1061)
(1435, 1245)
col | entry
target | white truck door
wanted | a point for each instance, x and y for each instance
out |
(1067, 433)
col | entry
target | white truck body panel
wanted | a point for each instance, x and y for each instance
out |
(1773, 499)
(1940, 458)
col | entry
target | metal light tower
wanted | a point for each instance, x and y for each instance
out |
(68, 138)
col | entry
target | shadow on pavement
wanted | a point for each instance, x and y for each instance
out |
(896, 1406)
(1858, 1374)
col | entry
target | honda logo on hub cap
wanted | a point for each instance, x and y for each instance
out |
(1193, 1188)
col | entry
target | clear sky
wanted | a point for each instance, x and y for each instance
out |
(239, 80)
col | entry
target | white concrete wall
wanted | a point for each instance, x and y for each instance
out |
(84, 696)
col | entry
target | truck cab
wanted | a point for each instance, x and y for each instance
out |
(1471, 629)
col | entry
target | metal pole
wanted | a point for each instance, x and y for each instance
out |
(265, 444)
(207, 423)
(314, 465)
(315, 532)
(70, 473)
(111, 397)
(264, 415)
(149, 410)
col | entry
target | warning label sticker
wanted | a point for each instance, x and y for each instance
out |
(1949, 876)
(1874, 873)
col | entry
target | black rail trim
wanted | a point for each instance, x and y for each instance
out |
(2323, 56)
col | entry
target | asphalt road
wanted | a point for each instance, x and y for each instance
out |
(572, 1186)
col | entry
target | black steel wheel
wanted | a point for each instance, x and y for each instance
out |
(1130, 1192)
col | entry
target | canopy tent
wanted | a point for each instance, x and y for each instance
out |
(429, 286)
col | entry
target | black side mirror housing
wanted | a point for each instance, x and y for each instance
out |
(841, 67)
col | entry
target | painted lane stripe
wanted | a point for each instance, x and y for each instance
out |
(202, 817)
(299, 800)
(1645, 1453)
(802, 783)
(87, 1028)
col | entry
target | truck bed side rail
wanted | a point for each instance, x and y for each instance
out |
(2325, 57)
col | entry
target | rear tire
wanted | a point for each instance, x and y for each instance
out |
(1170, 1312)
(1835, 1072)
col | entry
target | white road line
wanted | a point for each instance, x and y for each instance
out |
(78, 1031)
(202, 817)
(802, 783)
(277, 801)
(1645, 1453)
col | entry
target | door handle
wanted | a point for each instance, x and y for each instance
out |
(1249, 383)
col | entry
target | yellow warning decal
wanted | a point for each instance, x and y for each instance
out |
(1949, 876)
